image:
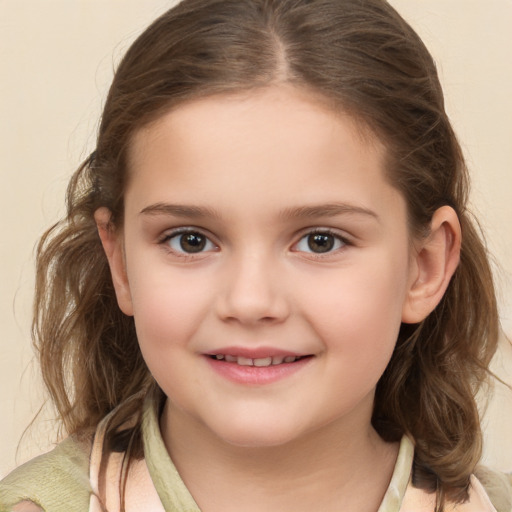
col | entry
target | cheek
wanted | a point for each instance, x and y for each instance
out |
(359, 311)
(167, 308)
(166, 319)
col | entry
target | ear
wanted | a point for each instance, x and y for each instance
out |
(113, 247)
(434, 263)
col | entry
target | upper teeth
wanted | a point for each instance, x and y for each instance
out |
(263, 361)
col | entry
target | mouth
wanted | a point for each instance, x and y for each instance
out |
(260, 362)
(256, 366)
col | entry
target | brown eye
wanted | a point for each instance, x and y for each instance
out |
(189, 242)
(192, 242)
(320, 242)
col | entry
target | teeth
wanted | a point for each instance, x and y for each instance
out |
(261, 362)
(265, 361)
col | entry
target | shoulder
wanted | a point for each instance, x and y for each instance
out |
(498, 487)
(51, 481)
(489, 491)
(26, 506)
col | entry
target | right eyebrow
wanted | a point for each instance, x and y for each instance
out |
(180, 210)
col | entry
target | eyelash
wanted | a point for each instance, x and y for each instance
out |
(176, 234)
(339, 242)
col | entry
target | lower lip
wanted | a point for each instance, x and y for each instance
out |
(256, 375)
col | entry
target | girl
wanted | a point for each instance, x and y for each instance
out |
(267, 293)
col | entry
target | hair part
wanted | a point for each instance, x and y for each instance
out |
(363, 58)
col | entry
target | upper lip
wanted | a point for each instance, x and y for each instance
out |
(254, 353)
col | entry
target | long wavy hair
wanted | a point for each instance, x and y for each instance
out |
(364, 58)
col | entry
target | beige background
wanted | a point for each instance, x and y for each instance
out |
(56, 61)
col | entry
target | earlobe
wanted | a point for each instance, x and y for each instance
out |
(113, 247)
(435, 262)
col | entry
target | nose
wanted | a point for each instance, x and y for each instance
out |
(253, 292)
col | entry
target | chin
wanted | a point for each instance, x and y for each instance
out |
(259, 440)
(258, 435)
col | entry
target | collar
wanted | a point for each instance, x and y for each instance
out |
(175, 496)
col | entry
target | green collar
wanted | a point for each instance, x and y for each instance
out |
(176, 497)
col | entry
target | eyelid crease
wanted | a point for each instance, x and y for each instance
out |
(183, 230)
(319, 230)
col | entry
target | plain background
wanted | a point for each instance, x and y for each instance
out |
(56, 63)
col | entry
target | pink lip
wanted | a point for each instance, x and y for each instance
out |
(255, 375)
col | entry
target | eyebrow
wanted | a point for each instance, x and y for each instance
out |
(300, 212)
(179, 210)
(327, 210)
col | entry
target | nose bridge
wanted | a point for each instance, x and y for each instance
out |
(253, 289)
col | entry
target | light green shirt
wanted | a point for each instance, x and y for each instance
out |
(59, 481)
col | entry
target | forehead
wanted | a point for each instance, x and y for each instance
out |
(283, 109)
(271, 146)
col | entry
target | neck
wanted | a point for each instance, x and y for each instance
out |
(336, 464)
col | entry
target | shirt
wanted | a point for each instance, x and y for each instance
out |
(76, 474)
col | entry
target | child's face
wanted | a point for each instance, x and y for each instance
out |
(258, 227)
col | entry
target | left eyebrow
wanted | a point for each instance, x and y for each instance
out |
(327, 210)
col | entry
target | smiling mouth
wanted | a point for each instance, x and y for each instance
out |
(259, 362)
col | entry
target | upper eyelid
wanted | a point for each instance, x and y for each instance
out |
(184, 256)
(172, 232)
(345, 242)
(342, 235)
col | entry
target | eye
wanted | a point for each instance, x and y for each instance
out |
(320, 242)
(189, 242)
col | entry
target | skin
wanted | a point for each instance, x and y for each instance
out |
(255, 175)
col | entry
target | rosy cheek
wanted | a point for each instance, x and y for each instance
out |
(166, 312)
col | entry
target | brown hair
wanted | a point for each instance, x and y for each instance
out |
(362, 56)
